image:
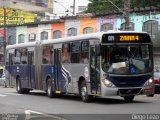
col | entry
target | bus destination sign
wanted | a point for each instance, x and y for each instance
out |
(123, 38)
(128, 38)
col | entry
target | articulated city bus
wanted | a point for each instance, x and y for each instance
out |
(115, 63)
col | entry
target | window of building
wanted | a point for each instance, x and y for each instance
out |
(131, 26)
(151, 27)
(66, 53)
(32, 37)
(72, 31)
(21, 38)
(47, 55)
(85, 52)
(106, 26)
(44, 35)
(87, 30)
(24, 56)
(11, 40)
(75, 52)
(57, 34)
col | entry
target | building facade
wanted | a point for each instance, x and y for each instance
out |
(39, 7)
(71, 26)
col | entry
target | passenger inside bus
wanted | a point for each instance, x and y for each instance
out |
(17, 57)
(23, 56)
(65, 54)
(115, 56)
(84, 57)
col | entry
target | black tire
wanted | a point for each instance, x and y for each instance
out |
(83, 92)
(50, 92)
(26, 91)
(151, 95)
(128, 99)
(18, 86)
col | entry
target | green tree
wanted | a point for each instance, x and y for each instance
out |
(106, 6)
(103, 5)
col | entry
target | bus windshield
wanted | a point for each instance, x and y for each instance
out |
(127, 60)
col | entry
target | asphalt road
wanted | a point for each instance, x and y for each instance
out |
(38, 105)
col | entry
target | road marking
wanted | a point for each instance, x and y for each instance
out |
(1, 95)
(12, 94)
(29, 116)
(7, 94)
(31, 111)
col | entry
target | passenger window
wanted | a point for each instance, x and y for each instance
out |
(51, 55)
(7, 57)
(17, 57)
(24, 56)
(46, 55)
(85, 52)
(66, 53)
(75, 52)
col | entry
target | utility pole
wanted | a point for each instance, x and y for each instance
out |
(125, 12)
(74, 5)
(4, 40)
(126, 15)
(3, 43)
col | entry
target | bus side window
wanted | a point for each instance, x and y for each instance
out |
(24, 56)
(17, 57)
(84, 52)
(66, 53)
(7, 58)
(46, 55)
(51, 55)
(75, 52)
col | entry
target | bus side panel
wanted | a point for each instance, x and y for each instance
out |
(69, 76)
(77, 71)
(23, 72)
(33, 76)
(27, 75)
(64, 79)
(10, 70)
(46, 71)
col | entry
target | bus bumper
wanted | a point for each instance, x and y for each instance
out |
(127, 91)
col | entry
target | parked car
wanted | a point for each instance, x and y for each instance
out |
(157, 82)
(3, 80)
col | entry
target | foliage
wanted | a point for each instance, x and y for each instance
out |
(106, 6)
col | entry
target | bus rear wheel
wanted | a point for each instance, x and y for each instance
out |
(84, 95)
(128, 99)
(50, 92)
(18, 86)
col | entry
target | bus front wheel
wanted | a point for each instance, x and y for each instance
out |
(50, 92)
(84, 95)
(128, 99)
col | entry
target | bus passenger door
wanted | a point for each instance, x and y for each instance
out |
(95, 69)
(11, 70)
(31, 69)
(57, 67)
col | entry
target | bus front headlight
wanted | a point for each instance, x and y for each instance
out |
(148, 82)
(108, 83)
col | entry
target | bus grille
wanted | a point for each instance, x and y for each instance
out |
(130, 81)
(129, 91)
